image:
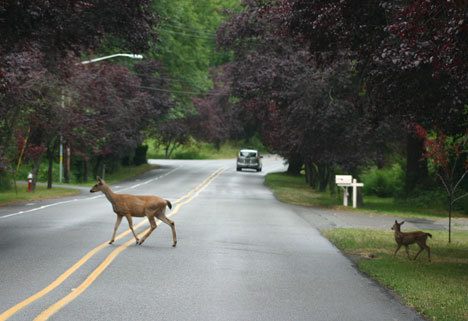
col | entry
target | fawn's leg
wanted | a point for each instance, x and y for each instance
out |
(152, 228)
(397, 249)
(117, 223)
(407, 251)
(130, 224)
(171, 223)
(423, 246)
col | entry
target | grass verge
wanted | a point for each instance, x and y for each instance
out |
(10, 197)
(128, 172)
(438, 289)
(294, 190)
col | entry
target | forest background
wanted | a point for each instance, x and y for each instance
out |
(375, 89)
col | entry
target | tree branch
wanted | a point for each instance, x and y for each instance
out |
(445, 185)
(460, 197)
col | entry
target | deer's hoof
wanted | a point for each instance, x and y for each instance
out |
(175, 244)
(112, 241)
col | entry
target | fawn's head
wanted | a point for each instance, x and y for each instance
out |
(99, 185)
(396, 226)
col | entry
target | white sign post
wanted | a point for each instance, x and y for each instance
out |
(346, 181)
(355, 185)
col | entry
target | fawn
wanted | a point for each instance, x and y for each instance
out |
(409, 238)
(137, 206)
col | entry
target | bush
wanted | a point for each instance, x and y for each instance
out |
(5, 181)
(463, 204)
(140, 155)
(430, 199)
(385, 182)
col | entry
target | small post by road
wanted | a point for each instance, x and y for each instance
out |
(355, 185)
(30, 178)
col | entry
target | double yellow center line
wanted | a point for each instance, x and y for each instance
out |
(104, 264)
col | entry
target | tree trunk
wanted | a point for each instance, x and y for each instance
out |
(416, 163)
(35, 172)
(166, 151)
(66, 168)
(308, 171)
(450, 218)
(97, 166)
(295, 164)
(323, 176)
(85, 170)
(50, 159)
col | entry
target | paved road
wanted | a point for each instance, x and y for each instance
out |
(241, 256)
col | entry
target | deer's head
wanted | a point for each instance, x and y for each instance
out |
(99, 185)
(396, 226)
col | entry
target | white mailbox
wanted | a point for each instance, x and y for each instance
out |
(346, 181)
(343, 180)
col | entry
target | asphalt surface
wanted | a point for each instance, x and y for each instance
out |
(241, 255)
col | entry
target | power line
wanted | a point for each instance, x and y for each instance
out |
(177, 91)
(188, 35)
(186, 30)
(169, 78)
(171, 25)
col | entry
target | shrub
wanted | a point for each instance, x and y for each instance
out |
(385, 182)
(429, 199)
(5, 181)
(140, 155)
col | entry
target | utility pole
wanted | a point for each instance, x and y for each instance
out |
(132, 56)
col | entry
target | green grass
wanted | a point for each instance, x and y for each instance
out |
(10, 197)
(294, 190)
(128, 172)
(438, 289)
(201, 150)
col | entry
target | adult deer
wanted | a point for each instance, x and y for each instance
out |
(409, 238)
(136, 206)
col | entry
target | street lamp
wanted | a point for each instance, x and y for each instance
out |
(85, 62)
(133, 56)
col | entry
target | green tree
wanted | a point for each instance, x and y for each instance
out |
(186, 45)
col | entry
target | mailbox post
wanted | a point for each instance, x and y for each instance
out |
(30, 178)
(355, 185)
(346, 181)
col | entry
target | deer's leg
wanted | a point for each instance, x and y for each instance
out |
(407, 251)
(152, 228)
(171, 223)
(130, 224)
(423, 246)
(420, 250)
(117, 223)
(397, 249)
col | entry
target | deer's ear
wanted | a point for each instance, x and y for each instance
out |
(396, 222)
(98, 179)
(402, 222)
